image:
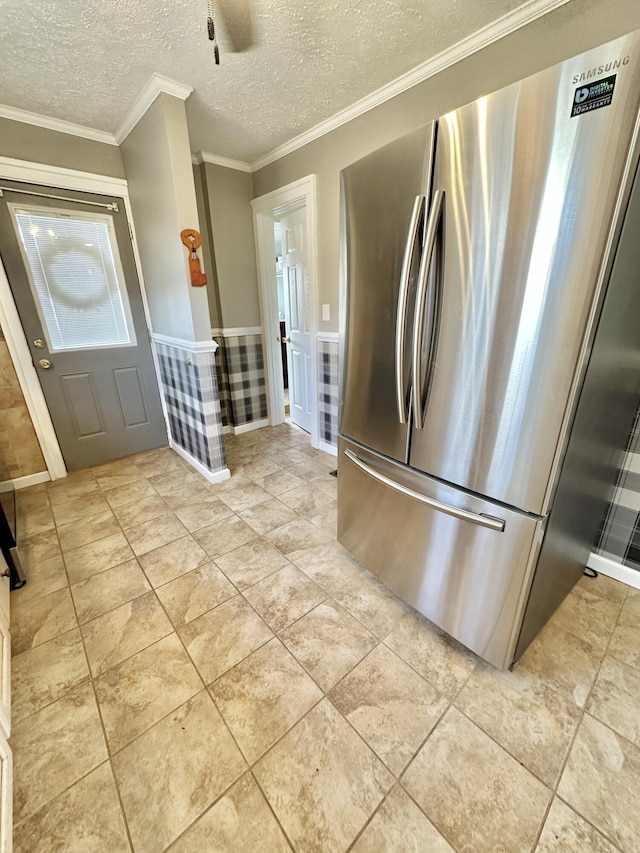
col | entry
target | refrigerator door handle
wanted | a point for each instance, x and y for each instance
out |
(403, 298)
(480, 519)
(421, 299)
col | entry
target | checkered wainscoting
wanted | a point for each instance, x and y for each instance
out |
(246, 379)
(328, 391)
(191, 396)
(223, 382)
(619, 534)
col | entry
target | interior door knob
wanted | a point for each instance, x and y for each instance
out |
(38, 343)
(284, 340)
(44, 363)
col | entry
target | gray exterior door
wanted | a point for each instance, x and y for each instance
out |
(70, 265)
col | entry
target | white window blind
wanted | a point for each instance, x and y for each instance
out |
(76, 278)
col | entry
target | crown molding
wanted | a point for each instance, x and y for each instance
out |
(217, 160)
(157, 84)
(58, 124)
(493, 32)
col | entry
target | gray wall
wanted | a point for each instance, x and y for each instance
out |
(39, 145)
(571, 29)
(208, 257)
(228, 194)
(157, 162)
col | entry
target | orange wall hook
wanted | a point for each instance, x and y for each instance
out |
(192, 240)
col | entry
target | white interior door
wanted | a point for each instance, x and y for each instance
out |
(297, 318)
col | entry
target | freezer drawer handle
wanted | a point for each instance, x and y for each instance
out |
(403, 298)
(475, 518)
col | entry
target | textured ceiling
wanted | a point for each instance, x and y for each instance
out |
(86, 60)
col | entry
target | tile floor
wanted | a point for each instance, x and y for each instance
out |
(204, 668)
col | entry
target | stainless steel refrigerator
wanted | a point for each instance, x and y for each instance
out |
(490, 340)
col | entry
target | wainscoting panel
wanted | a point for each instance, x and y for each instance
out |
(328, 391)
(241, 378)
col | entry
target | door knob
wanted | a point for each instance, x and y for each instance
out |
(284, 340)
(44, 363)
(38, 344)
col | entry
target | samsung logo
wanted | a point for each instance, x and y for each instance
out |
(601, 69)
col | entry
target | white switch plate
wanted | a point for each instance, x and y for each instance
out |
(326, 314)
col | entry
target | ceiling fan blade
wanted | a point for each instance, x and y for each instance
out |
(237, 19)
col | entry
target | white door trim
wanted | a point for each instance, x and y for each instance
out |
(298, 193)
(70, 179)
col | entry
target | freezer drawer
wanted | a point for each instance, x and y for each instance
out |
(462, 561)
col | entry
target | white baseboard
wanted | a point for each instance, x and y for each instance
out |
(25, 482)
(227, 430)
(328, 448)
(614, 570)
(238, 430)
(211, 476)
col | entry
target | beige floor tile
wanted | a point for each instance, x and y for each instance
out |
(79, 508)
(224, 536)
(260, 468)
(122, 632)
(297, 537)
(35, 522)
(87, 530)
(327, 483)
(601, 782)
(72, 487)
(280, 482)
(175, 480)
(390, 705)
(195, 516)
(287, 457)
(322, 781)
(474, 792)
(266, 516)
(328, 642)
(605, 587)
(529, 719)
(134, 695)
(306, 500)
(566, 832)
(624, 643)
(152, 534)
(263, 697)
(97, 556)
(330, 566)
(244, 496)
(33, 622)
(106, 590)
(399, 825)
(562, 661)
(251, 563)
(44, 577)
(117, 473)
(239, 821)
(170, 561)
(130, 493)
(170, 774)
(223, 637)
(140, 511)
(42, 546)
(32, 498)
(198, 493)
(284, 596)
(326, 518)
(71, 822)
(615, 699)
(587, 616)
(53, 748)
(441, 660)
(42, 675)
(194, 593)
(157, 464)
(372, 603)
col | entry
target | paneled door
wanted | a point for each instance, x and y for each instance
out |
(70, 264)
(296, 285)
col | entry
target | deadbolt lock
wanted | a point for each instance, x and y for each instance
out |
(44, 363)
(38, 344)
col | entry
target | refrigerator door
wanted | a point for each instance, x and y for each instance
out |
(384, 198)
(463, 562)
(530, 180)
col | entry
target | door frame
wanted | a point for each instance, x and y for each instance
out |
(266, 208)
(69, 179)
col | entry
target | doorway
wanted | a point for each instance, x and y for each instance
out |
(284, 223)
(69, 261)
